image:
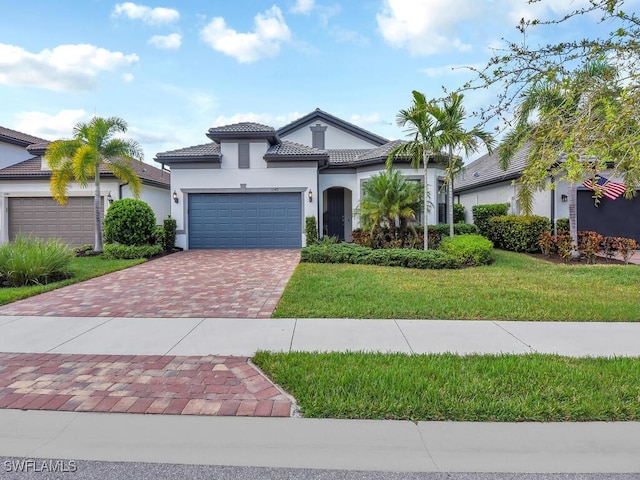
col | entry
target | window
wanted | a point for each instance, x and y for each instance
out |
(243, 155)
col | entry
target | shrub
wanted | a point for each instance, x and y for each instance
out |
(458, 213)
(30, 261)
(436, 233)
(626, 247)
(483, 213)
(468, 250)
(562, 225)
(311, 230)
(518, 233)
(609, 246)
(393, 257)
(114, 251)
(589, 243)
(85, 250)
(565, 246)
(168, 238)
(547, 243)
(129, 222)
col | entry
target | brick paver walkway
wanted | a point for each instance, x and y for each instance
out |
(194, 283)
(210, 385)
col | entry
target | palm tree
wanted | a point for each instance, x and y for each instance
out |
(548, 111)
(451, 137)
(94, 145)
(389, 200)
(418, 124)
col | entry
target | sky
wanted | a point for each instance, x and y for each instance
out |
(173, 69)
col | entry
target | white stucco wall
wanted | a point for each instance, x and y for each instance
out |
(159, 199)
(229, 178)
(10, 154)
(333, 137)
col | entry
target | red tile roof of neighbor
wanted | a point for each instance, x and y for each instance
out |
(13, 136)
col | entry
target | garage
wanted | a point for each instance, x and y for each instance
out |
(245, 220)
(43, 217)
(614, 218)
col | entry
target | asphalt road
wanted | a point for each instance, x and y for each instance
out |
(41, 469)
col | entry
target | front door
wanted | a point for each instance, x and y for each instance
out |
(335, 213)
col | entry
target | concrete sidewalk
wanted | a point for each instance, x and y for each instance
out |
(242, 337)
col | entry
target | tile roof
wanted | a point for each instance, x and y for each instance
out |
(32, 168)
(486, 170)
(243, 127)
(291, 148)
(211, 149)
(13, 136)
(345, 156)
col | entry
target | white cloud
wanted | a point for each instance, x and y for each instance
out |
(268, 119)
(50, 127)
(128, 77)
(426, 27)
(166, 42)
(366, 121)
(303, 7)
(148, 15)
(270, 32)
(63, 68)
(348, 36)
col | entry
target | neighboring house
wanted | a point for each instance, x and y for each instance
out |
(26, 204)
(252, 186)
(483, 181)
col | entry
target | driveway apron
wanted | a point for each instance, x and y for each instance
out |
(194, 283)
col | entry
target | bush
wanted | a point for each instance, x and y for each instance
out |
(311, 230)
(129, 222)
(114, 251)
(518, 233)
(436, 233)
(562, 225)
(589, 243)
(626, 247)
(458, 213)
(392, 257)
(30, 261)
(468, 250)
(483, 213)
(168, 238)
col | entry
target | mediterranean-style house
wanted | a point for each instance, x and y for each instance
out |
(26, 204)
(483, 181)
(251, 186)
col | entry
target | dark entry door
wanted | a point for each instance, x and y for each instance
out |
(335, 213)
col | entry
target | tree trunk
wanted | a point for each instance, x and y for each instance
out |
(97, 206)
(450, 193)
(425, 159)
(573, 217)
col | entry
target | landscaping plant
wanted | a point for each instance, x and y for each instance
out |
(483, 213)
(169, 227)
(129, 222)
(311, 229)
(30, 261)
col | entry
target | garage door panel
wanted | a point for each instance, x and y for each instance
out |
(43, 217)
(616, 218)
(245, 220)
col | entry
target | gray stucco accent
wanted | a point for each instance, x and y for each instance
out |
(244, 159)
(317, 135)
(192, 166)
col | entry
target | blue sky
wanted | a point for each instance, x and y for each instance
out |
(172, 69)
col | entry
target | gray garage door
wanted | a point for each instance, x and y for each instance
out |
(614, 218)
(245, 220)
(43, 217)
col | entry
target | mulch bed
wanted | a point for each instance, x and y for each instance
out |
(560, 261)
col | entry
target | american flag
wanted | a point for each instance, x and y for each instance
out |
(609, 189)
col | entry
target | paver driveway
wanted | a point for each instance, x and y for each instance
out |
(194, 283)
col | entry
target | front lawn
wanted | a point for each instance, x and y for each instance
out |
(515, 287)
(82, 268)
(477, 388)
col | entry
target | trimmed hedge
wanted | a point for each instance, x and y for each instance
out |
(390, 257)
(562, 225)
(168, 238)
(129, 222)
(458, 213)
(126, 252)
(436, 234)
(518, 233)
(311, 230)
(469, 250)
(483, 213)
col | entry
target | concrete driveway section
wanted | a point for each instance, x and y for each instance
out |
(194, 283)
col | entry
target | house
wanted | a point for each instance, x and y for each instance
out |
(26, 204)
(483, 181)
(251, 186)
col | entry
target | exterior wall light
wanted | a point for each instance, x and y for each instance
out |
(175, 196)
(563, 198)
(310, 195)
(109, 198)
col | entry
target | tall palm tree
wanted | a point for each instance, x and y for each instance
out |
(420, 126)
(94, 145)
(389, 200)
(451, 137)
(549, 110)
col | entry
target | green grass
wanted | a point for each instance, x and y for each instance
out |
(82, 269)
(515, 287)
(503, 388)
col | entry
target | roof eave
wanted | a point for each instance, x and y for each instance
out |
(272, 138)
(189, 159)
(486, 183)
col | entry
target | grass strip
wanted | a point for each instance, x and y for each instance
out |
(82, 268)
(475, 388)
(515, 287)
